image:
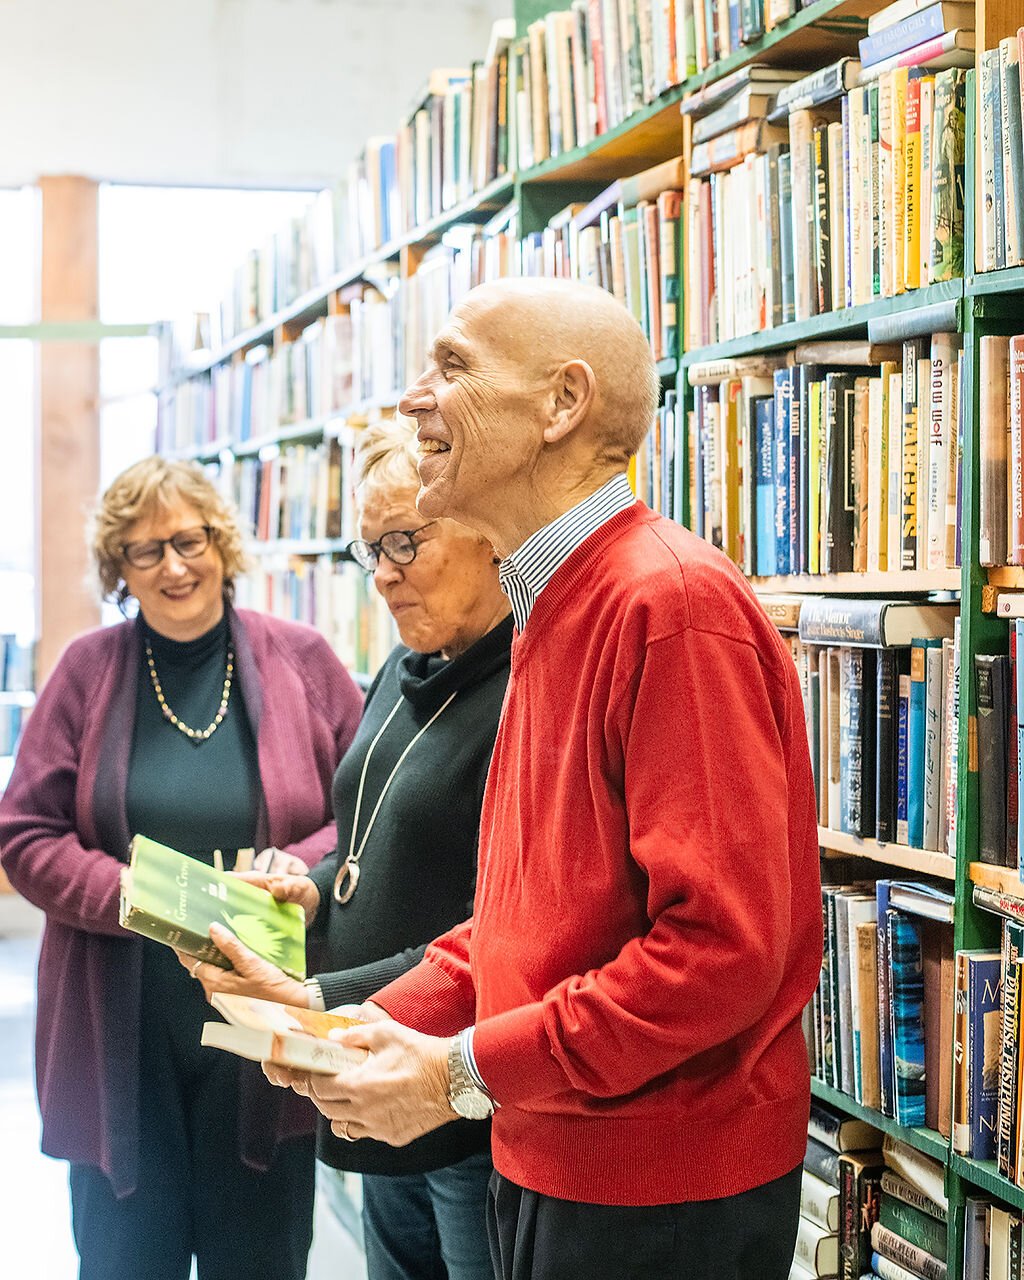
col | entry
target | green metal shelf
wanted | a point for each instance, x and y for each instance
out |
(926, 1140)
(830, 324)
(668, 369)
(1011, 280)
(985, 1174)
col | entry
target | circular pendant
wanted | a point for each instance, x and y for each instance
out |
(349, 877)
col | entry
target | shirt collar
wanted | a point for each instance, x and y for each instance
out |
(526, 572)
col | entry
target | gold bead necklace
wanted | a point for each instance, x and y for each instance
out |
(195, 735)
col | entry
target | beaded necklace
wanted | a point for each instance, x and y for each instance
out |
(196, 736)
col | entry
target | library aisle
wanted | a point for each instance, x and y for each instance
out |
(34, 1211)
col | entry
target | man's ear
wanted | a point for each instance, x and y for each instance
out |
(575, 388)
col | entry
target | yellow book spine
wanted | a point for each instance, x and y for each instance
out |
(897, 173)
(912, 188)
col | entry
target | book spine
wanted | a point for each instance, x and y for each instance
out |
(840, 451)
(885, 781)
(916, 743)
(907, 995)
(783, 465)
(900, 1189)
(192, 943)
(1015, 421)
(885, 1048)
(889, 1245)
(925, 24)
(902, 759)
(983, 996)
(961, 1098)
(991, 771)
(1013, 937)
(786, 270)
(911, 355)
(915, 1227)
(992, 428)
(947, 206)
(943, 378)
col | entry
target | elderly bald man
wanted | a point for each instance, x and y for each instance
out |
(647, 923)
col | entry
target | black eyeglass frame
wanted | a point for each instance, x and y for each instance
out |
(172, 541)
(366, 550)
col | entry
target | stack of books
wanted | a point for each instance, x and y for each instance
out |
(992, 1241)
(295, 494)
(656, 472)
(823, 461)
(856, 187)
(1001, 448)
(880, 688)
(919, 33)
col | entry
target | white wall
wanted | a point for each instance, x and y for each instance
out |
(227, 92)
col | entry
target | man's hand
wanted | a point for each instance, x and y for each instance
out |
(399, 1093)
(251, 976)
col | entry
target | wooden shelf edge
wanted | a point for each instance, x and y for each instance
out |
(862, 583)
(928, 1141)
(1004, 880)
(926, 861)
(1008, 575)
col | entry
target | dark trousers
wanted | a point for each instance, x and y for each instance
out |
(194, 1195)
(750, 1236)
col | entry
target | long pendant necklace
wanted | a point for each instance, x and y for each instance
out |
(349, 869)
(195, 735)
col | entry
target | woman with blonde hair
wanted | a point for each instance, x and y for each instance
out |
(407, 800)
(206, 728)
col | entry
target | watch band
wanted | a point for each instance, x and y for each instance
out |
(465, 1097)
(315, 995)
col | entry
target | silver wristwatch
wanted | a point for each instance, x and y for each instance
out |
(464, 1098)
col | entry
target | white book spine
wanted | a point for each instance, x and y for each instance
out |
(878, 480)
(894, 530)
(940, 402)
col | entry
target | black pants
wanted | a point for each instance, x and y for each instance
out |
(750, 1236)
(194, 1194)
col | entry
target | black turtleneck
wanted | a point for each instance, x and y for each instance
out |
(418, 869)
(195, 798)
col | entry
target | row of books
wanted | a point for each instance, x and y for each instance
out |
(1001, 447)
(810, 463)
(1001, 223)
(453, 142)
(581, 71)
(299, 493)
(992, 1241)
(882, 725)
(867, 1202)
(626, 240)
(656, 472)
(880, 1024)
(334, 596)
(840, 203)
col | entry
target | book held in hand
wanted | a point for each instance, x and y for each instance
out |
(172, 898)
(284, 1034)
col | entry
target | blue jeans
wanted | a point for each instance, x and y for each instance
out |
(429, 1226)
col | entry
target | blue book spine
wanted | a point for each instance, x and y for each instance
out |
(907, 1005)
(764, 541)
(1019, 719)
(902, 772)
(885, 1059)
(984, 988)
(783, 466)
(916, 729)
(917, 27)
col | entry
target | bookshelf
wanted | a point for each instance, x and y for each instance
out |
(976, 304)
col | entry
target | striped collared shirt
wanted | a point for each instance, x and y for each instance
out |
(525, 573)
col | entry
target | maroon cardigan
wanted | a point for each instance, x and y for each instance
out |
(64, 839)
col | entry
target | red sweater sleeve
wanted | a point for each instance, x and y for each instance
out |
(705, 766)
(437, 996)
(40, 848)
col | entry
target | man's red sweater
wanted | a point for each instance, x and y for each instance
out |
(647, 924)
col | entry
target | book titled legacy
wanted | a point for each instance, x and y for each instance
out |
(281, 1033)
(172, 898)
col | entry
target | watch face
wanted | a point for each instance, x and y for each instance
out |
(471, 1104)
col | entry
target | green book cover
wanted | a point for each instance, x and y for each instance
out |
(167, 896)
(947, 207)
(912, 1225)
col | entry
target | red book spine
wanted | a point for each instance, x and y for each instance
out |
(597, 54)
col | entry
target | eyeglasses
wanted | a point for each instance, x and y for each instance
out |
(396, 544)
(188, 543)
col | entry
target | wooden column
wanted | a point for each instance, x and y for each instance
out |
(69, 431)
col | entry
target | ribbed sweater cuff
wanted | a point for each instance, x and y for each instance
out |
(427, 999)
(353, 986)
(513, 1054)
